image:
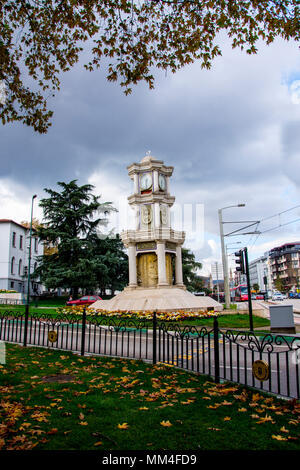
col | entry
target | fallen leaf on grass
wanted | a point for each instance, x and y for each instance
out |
(143, 408)
(242, 410)
(166, 424)
(83, 423)
(123, 426)
(214, 429)
(227, 418)
(279, 438)
(294, 421)
(284, 430)
(265, 420)
(52, 431)
(98, 444)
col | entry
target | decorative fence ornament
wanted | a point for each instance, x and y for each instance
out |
(52, 336)
(260, 370)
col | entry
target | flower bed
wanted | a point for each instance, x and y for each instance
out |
(178, 315)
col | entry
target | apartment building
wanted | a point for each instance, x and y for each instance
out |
(14, 250)
(284, 265)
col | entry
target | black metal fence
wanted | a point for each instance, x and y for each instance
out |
(223, 355)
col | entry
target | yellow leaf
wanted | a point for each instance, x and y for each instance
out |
(98, 444)
(227, 418)
(284, 430)
(143, 408)
(166, 424)
(123, 426)
(83, 423)
(256, 397)
(242, 410)
(279, 438)
(265, 420)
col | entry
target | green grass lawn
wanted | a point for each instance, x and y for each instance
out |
(235, 321)
(117, 404)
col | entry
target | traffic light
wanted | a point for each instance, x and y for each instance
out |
(240, 261)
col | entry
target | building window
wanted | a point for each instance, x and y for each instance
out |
(36, 245)
(12, 285)
(12, 266)
(14, 239)
(20, 268)
(21, 242)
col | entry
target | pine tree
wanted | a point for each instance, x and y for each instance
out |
(70, 225)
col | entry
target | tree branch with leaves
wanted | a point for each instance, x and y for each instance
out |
(40, 39)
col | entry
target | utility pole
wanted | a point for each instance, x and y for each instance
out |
(224, 257)
(28, 278)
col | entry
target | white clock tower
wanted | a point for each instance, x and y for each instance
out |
(154, 248)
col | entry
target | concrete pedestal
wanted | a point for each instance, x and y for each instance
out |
(166, 299)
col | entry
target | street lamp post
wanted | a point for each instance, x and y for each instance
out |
(28, 275)
(224, 257)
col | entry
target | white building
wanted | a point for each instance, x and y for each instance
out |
(259, 270)
(14, 250)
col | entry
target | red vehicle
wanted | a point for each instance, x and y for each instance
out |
(86, 300)
(239, 293)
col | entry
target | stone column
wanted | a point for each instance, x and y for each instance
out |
(155, 181)
(161, 264)
(135, 183)
(132, 265)
(156, 215)
(178, 267)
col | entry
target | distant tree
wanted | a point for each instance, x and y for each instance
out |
(39, 39)
(70, 225)
(35, 223)
(111, 264)
(190, 266)
(256, 287)
(279, 284)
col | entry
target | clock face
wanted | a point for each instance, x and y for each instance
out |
(146, 181)
(162, 182)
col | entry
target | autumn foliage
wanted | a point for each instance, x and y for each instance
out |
(41, 39)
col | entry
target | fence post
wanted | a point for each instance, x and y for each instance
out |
(216, 350)
(83, 331)
(26, 325)
(154, 337)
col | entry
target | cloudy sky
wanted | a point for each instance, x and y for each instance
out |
(232, 134)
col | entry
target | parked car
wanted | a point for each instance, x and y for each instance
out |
(85, 300)
(278, 296)
(258, 296)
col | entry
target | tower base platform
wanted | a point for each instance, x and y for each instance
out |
(165, 299)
